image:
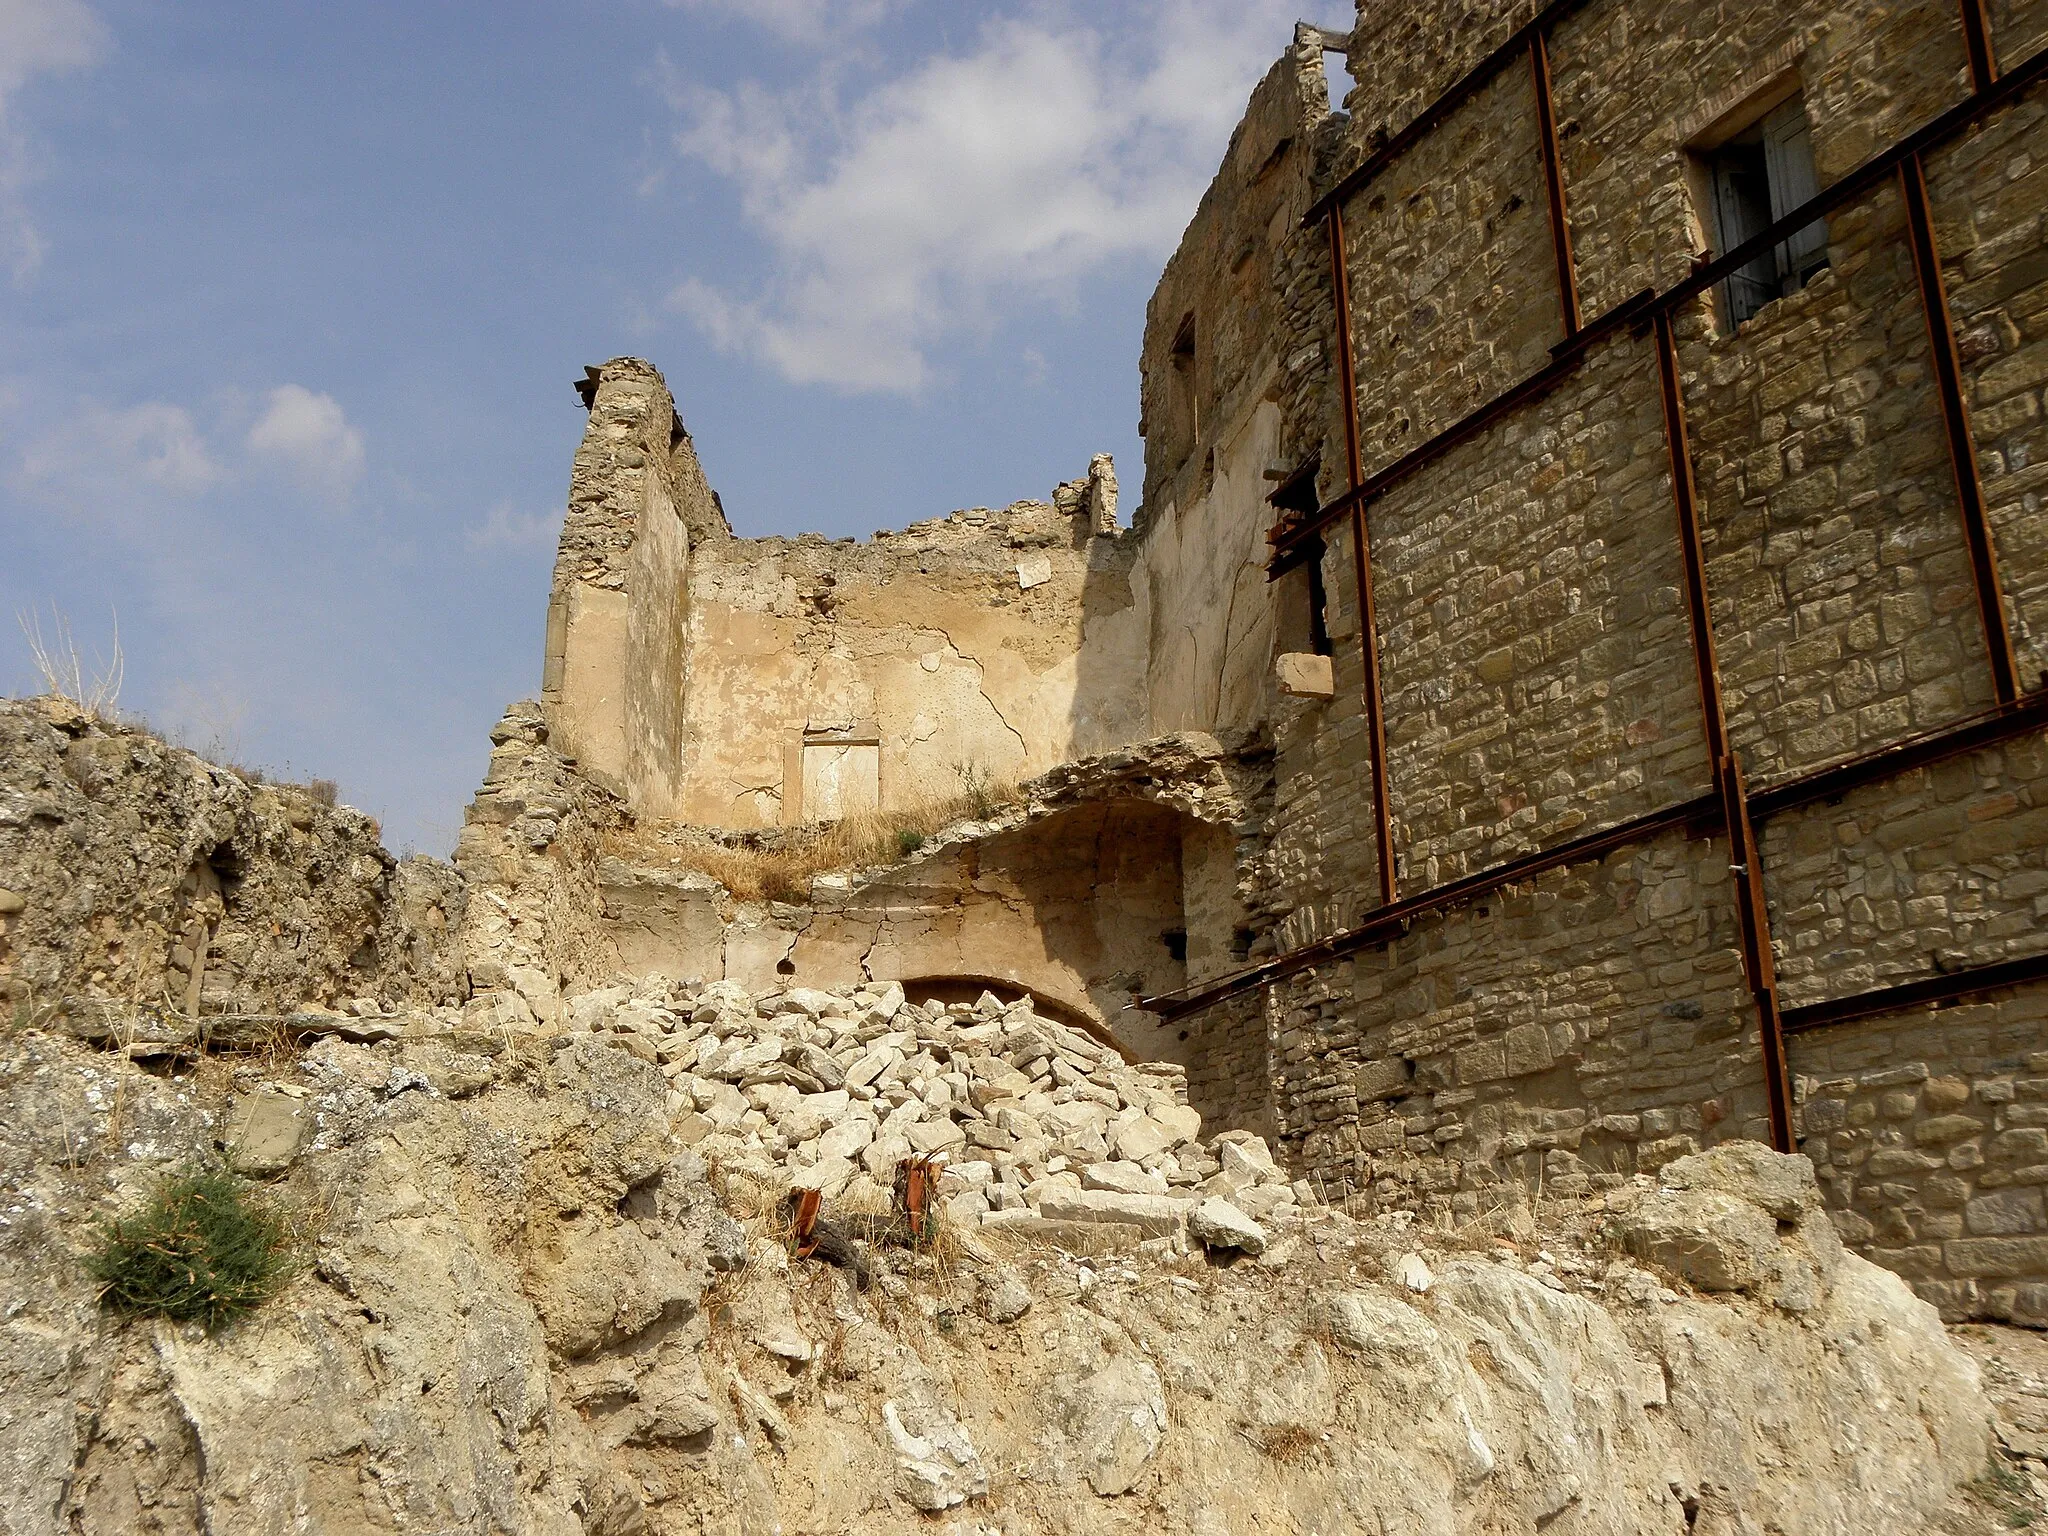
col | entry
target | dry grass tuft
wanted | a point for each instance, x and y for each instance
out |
(1285, 1443)
(63, 673)
(780, 865)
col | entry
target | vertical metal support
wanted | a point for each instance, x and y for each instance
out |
(1955, 418)
(1553, 186)
(1744, 857)
(1977, 44)
(1368, 629)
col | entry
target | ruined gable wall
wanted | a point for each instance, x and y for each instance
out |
(1537, 663)
(636, 493)
(1211, 418)
(994, 643)
(687, 668)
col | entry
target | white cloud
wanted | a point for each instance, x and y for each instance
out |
(105, 453)
(37, 37)
(798, 20)
(504, 527)
(1009, 171)
(308, 436)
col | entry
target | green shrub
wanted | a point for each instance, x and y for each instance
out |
(206, 1249)
(908, 841)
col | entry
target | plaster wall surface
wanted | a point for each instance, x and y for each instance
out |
(990, 645)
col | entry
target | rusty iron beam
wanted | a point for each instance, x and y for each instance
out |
(1553, 186)
(1977, 44)
(1946, 988)
(1391, 921)
(1361, 553)
(1759, 962)
(1988, 729)
(1685, 500)
(1468, 85)
(1955, 420)
(1836, 780)
(1564, 362)
(1745, 858)
(1566, 356)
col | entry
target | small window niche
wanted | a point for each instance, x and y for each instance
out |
(842, 770)
(1187, 398)
(1749, 175)
(1301, 604)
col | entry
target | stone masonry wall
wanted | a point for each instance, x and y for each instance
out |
(1536, 659)
(1930, 1135)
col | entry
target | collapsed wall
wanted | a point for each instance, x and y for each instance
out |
(772, 682)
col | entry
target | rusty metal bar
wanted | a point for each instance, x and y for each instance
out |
(1347, 377)
(1361, 553)
(1977, 44)
(1831, 783)
(1985, 730)
(1912, 994)
(1567, 355)
(1418, 127)
(1685, 498)
(1745, 859)
(1553, 185)
(1955, 419)
(1390, 921)
(1565, 361)
(1759, 962)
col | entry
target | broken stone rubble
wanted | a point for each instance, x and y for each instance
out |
(1030, 1118)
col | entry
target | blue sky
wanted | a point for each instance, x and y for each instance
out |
(292, 296)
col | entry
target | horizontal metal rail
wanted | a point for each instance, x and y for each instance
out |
(1831, 783)
(1828, 783)
(1566, 357)
(1948, 987)
(1468, 85)
(1389, 921)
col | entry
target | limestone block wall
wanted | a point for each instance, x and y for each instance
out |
(1536, 661)
(1930, 1136)
(1936, 869)
(1988, 195)
(1537, 665)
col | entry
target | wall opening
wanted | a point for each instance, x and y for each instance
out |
(1187, 398)
(1749, 174)
(842, 774)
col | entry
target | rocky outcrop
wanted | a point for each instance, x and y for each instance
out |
(133, 870)
(527, 1307)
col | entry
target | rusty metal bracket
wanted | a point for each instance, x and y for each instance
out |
(1361, 553)
(1955, 420)
(807, 1203)
(917, 1191)
(1553, 185)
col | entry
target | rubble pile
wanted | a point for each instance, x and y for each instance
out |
(1037, 1126)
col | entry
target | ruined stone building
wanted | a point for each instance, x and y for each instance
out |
(1571, 688)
